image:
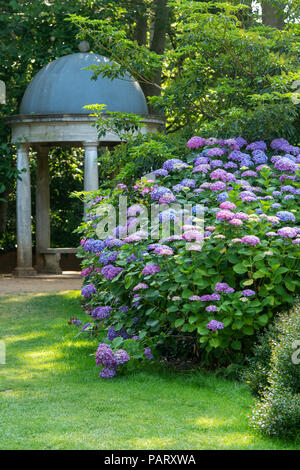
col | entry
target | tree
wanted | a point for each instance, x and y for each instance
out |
(215, 74)
(273, 13)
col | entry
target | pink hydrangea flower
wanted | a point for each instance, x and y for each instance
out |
(250, 240)
(228, 205)
(225, 215)
(236, 222)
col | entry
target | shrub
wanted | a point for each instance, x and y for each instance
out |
(259, 362)
(201, 294)
(278, 410)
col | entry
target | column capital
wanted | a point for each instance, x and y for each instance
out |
(23, 145)
(91, 144)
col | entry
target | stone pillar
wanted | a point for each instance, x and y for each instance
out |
(24, 235)
(91, 181)
(42, 207)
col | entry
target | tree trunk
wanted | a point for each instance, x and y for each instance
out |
(141, 29)
(272, 15)
(3, 211)
(158, 41)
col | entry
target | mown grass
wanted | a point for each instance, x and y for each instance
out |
(51, 396)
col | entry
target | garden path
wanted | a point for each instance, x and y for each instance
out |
(69, 280)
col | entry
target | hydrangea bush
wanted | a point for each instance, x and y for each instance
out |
(205, 294)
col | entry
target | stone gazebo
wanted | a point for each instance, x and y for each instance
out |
(52, 114)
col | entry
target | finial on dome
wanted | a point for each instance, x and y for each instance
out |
(84, 46)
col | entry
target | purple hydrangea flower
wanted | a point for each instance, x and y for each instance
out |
(285, 164)
(169, 164)
(188, 183)
(223, 287)
(88, 290)
(248, 293)
(101, 312)
(215, 325)
(140, 286)
(110, 271)
(160, 172)
(209, 297)
(104, 356)
(157, 193)
(215, 152)
(286, 216)
(196, 142)
(259, 145)
(250, 240)
(148, 354)
(94, 246)
(121, 356)
(107, 373)
(287, 232)
(151, 269)
(211, 308)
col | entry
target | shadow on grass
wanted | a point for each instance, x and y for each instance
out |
(56, 399)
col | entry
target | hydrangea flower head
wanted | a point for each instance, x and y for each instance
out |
(215, 325)
(250, 240)
(196, 142)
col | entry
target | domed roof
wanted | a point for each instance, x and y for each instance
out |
(62, 87)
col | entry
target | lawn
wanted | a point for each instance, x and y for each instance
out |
(51, 396)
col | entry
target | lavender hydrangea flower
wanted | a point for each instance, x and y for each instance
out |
(215, 152)
(94, 246)
(107, 373)
(211, 308)
(157, 193)
(285, 164)
(110, 271)
(259, 157)
(215, 325)
(104, 356)
(160, 172)
(223, 287)
(196, 142)
(287, 232)
(140, 286)
(286, 216)
(259, 145)
(112, 334)
(111, 242)
(248, 293)
(188, 183)
(151, 269)
(250, 240)
(148, 354)
(101, 312)
(222, 196)
(121, 356)
(209, 297)
(169, 164)
(88, 290)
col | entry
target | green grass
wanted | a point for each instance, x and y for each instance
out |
(51, 396)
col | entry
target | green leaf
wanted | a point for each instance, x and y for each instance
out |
(214, 342)
(179, 322)
(248, 283)
(240, 268)
(263, 319)
(236, 345)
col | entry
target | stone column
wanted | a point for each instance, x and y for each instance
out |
(42, 207)
(91, 182)
(24, 235)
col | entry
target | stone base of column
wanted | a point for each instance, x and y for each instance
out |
(24, 272)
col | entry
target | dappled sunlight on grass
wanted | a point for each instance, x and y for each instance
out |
(51, 396)
(24, 337)
(205, 422)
